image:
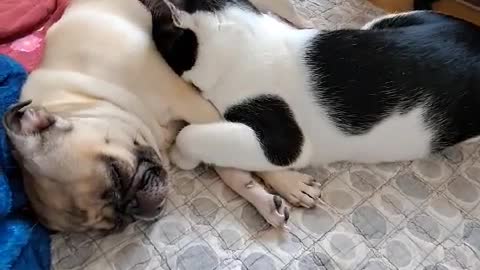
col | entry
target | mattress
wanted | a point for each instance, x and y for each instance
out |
(423, 214)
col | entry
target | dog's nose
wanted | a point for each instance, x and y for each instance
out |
(150, 197)
(148, 191)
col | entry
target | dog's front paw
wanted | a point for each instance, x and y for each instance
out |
(298, 188)
(181, 160)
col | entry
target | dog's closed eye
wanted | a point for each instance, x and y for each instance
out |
(119, 173)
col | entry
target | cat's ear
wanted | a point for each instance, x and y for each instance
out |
(180, 18)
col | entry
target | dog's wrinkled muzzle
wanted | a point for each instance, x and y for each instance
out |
(145, 193)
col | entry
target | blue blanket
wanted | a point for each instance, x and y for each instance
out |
(24, 244)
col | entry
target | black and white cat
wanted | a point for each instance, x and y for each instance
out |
(400, 88)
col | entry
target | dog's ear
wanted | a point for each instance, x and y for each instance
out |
(180, 18)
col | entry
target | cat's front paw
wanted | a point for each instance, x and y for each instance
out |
(182, 161)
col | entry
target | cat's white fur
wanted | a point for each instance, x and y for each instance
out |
(241, 55)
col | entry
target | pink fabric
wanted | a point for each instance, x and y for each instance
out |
(23, 25)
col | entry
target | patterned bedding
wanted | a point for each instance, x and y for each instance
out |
(415, 215)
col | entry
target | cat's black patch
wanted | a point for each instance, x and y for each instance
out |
(362, 77)
(274, 124)
(177, 46)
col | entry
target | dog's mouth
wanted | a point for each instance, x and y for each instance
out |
(27, 121)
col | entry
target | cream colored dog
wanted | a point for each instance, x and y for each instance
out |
(93, 139)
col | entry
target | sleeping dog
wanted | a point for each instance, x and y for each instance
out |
(92, 128)
(402, 87)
